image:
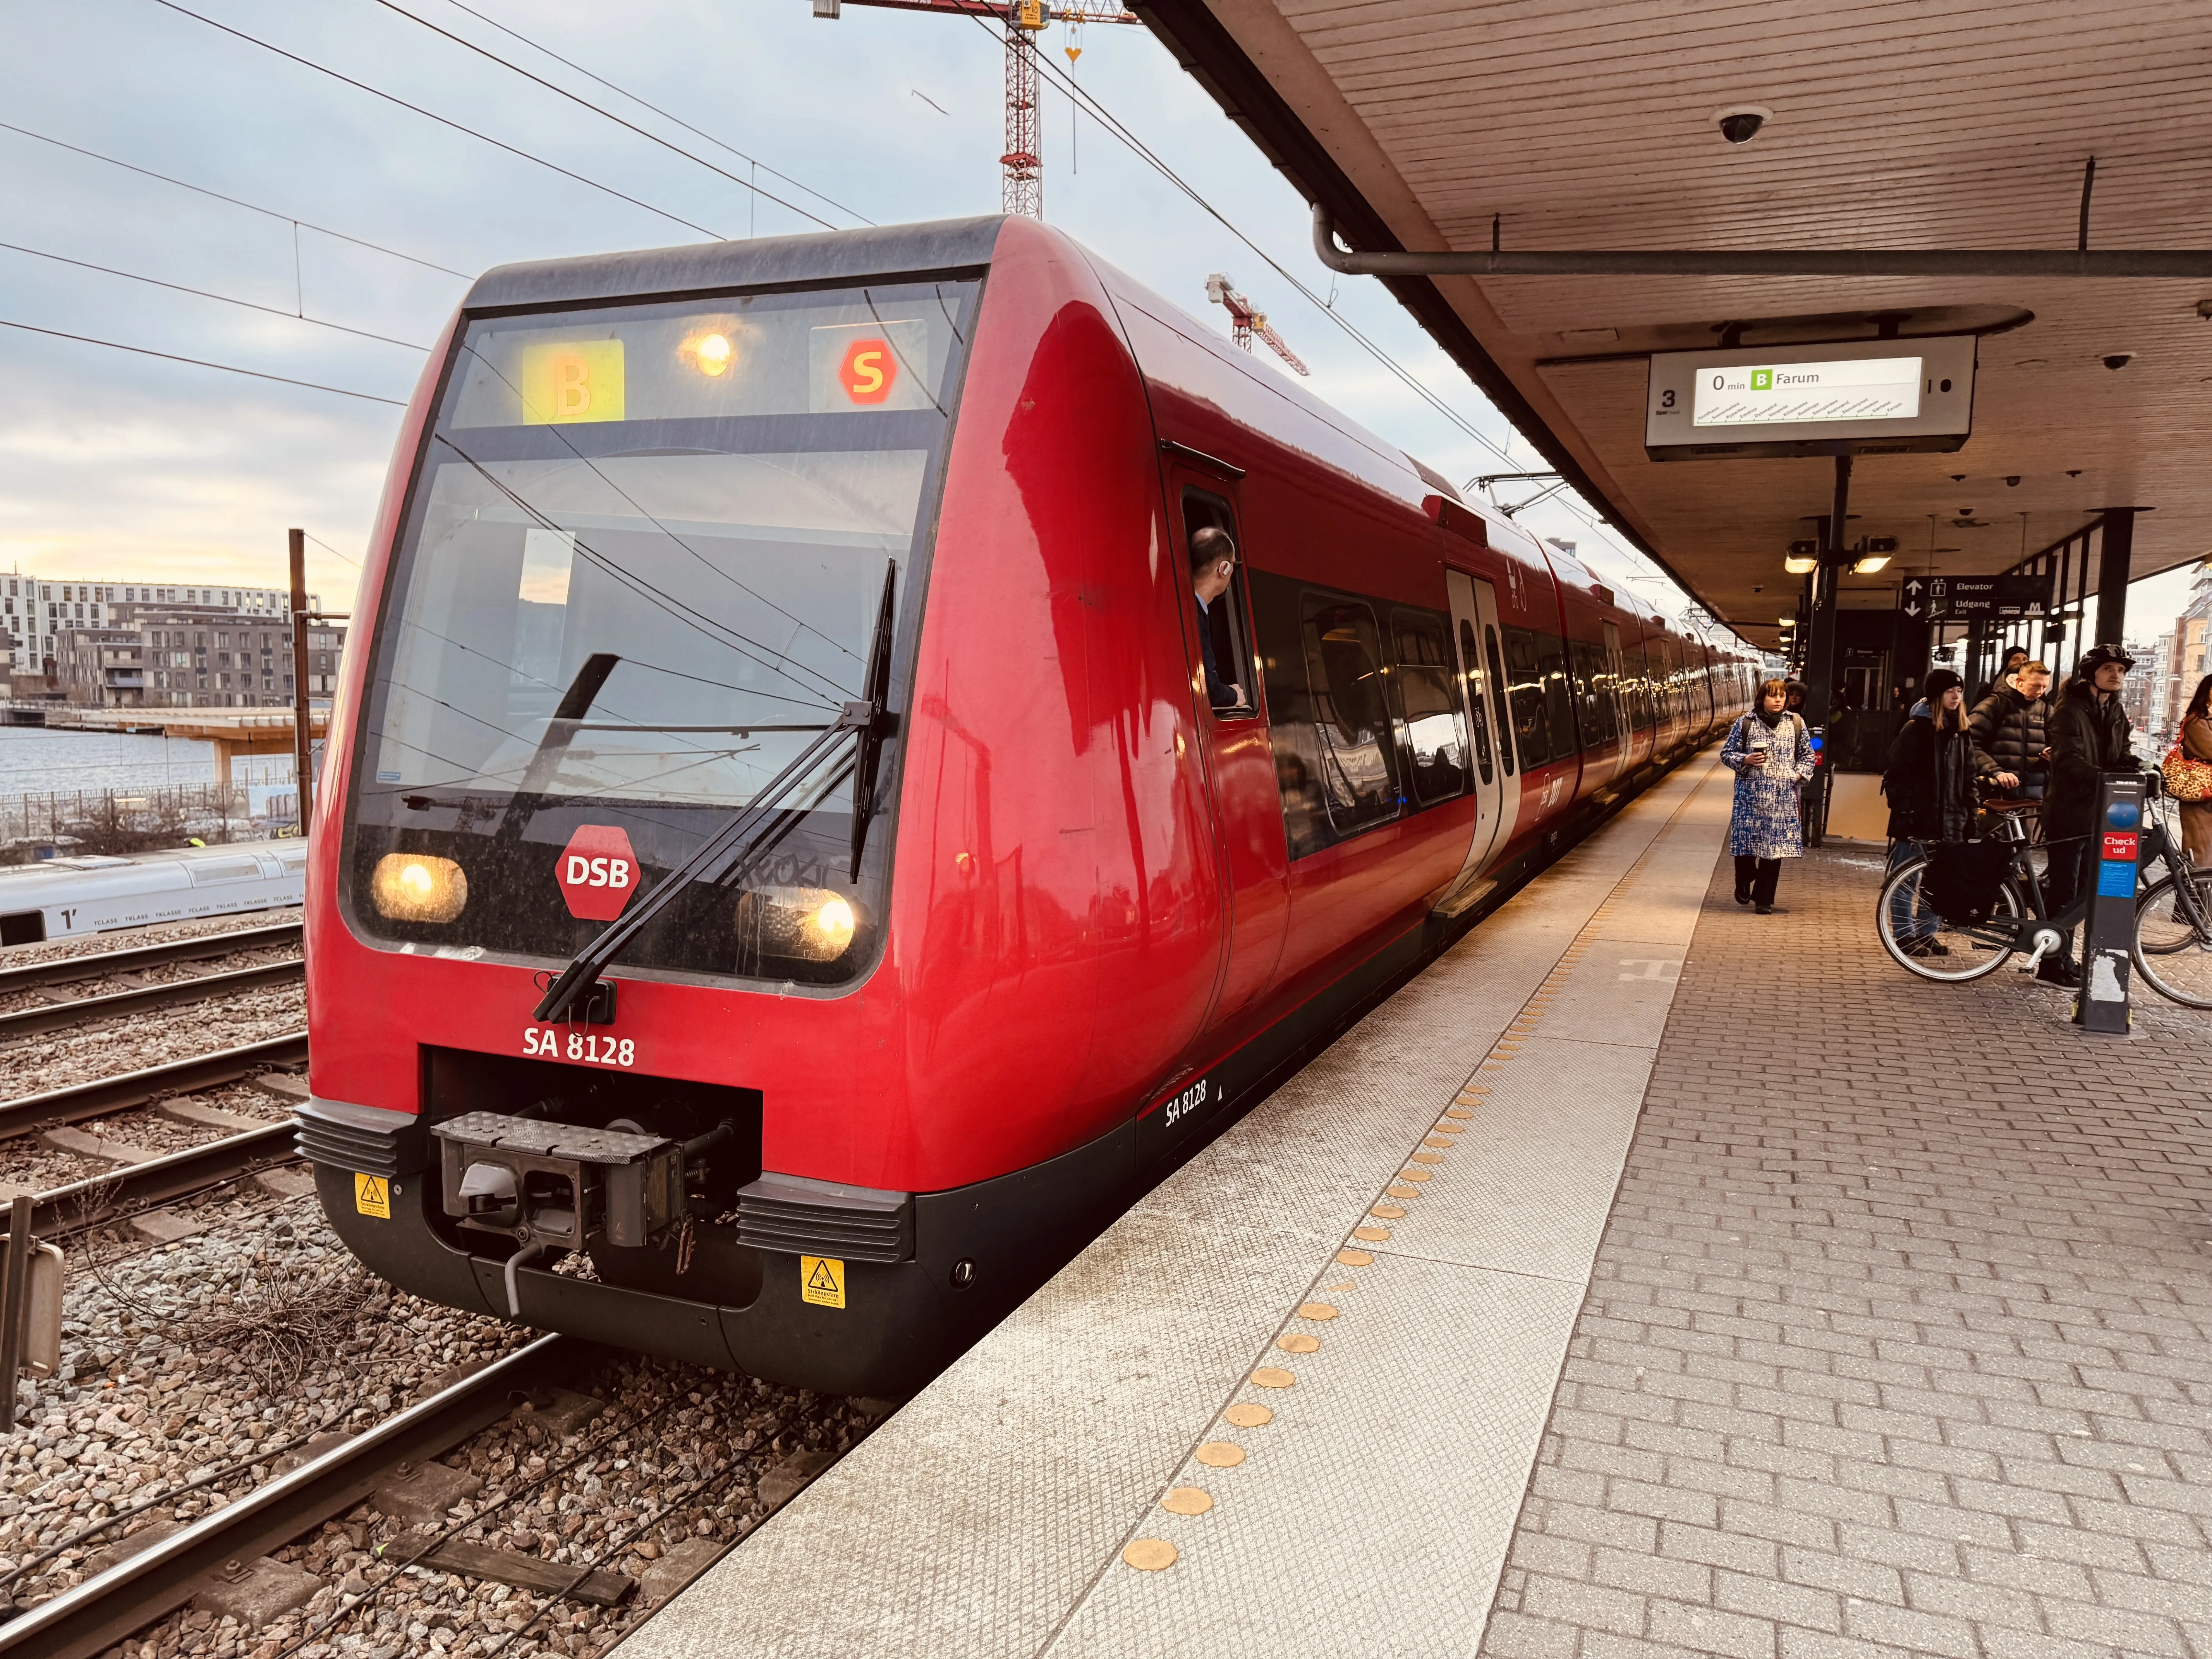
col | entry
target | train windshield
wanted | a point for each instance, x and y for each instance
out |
(645, 558)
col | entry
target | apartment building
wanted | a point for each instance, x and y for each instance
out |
(35, 611)
(164, 657)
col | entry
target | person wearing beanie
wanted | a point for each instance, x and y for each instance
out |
(1934, 766)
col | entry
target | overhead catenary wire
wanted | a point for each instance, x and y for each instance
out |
(1116, 129)
(605, 114)
(644, 103)
(206, 294)
(251, 207)
(202, 362)
(442, 120)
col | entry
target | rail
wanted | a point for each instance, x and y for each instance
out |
(61, 1211)
(63, 969)
(59, 1016)
(106, 1608)
(102, 1097)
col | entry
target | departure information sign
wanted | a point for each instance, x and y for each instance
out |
(1867, 389)
(1849, 397)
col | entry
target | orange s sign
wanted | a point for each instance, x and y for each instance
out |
(869, 371)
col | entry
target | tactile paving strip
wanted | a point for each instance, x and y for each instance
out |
(1349, 1529)
(985, 1516)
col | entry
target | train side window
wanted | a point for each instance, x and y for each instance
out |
(1359, 780)
(1532, 726)
(1226, 618)
(1560, 696)
(1477, 713)
(1593, 686)
(1501, 716)
(1428, 701)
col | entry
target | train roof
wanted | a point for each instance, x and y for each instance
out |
(944, 245)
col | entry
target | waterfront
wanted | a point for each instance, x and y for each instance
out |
(36, 760)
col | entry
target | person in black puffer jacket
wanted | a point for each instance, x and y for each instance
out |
(1933, 769)
(2088, 737)
(2010, 726)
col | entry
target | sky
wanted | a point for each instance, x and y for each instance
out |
(122, 465)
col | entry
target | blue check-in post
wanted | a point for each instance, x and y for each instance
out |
(2109, 930)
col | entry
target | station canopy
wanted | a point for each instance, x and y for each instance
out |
(1465, 124)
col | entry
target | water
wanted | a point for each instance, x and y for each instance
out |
(34, 761)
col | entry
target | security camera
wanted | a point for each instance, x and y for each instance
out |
(1740, 126)
(2119, 360)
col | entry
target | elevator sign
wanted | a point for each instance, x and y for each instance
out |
(1849, 397)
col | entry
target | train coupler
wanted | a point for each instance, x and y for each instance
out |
(559, 1185)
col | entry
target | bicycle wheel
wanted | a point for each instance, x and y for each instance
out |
(2173, 949)
(1919, 939)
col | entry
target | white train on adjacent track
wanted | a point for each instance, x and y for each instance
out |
(67, 897)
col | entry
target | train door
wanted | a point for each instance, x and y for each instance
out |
(1496, 795)
(1615, 692)
(1248, 809)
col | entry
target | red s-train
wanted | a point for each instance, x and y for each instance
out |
(802, 632)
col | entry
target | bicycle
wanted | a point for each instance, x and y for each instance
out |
(2172, 940)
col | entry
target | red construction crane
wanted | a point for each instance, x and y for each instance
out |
(1244, 322)
(1023, 164)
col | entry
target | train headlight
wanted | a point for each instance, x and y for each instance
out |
(416, 887)
(710, 354)
(810, 924)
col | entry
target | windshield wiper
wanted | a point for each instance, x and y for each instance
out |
(729, 852)
(876, 689)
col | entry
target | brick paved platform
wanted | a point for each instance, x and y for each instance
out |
(1899, 1339)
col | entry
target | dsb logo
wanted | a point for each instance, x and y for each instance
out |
(598, 873)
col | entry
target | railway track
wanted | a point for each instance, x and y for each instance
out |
(141, 998)
(63, 970)
(147, 1586)
(123, 1190)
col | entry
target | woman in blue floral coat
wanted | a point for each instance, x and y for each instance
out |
(1771, 752)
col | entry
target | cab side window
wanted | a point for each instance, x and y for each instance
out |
(1226, 620)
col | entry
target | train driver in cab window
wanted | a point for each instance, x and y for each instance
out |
(1212, 566)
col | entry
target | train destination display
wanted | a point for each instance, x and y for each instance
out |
(1860, 396)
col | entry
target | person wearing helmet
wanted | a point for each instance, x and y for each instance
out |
(2089, 736)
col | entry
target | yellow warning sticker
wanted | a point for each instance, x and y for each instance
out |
(371, 1195)
(821, 1280)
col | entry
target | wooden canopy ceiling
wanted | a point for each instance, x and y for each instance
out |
(1948, 123)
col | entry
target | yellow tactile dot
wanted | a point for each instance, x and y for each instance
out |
(1434, 1144)
(1315, 1310)
(1449, 1129)
(1403, 1192)
(1389, 1212)
(1415, 1175)
(1428, 1158)
(1186, 1500)
(1341, 1284)
(1219, 1455)
(1149, 1554)
(1459, 1112)
(1246, 1415)
(1371, 1235)
(1272, 1376)
(1298, 1342)
(1475, 1089)
(1355, 1259)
